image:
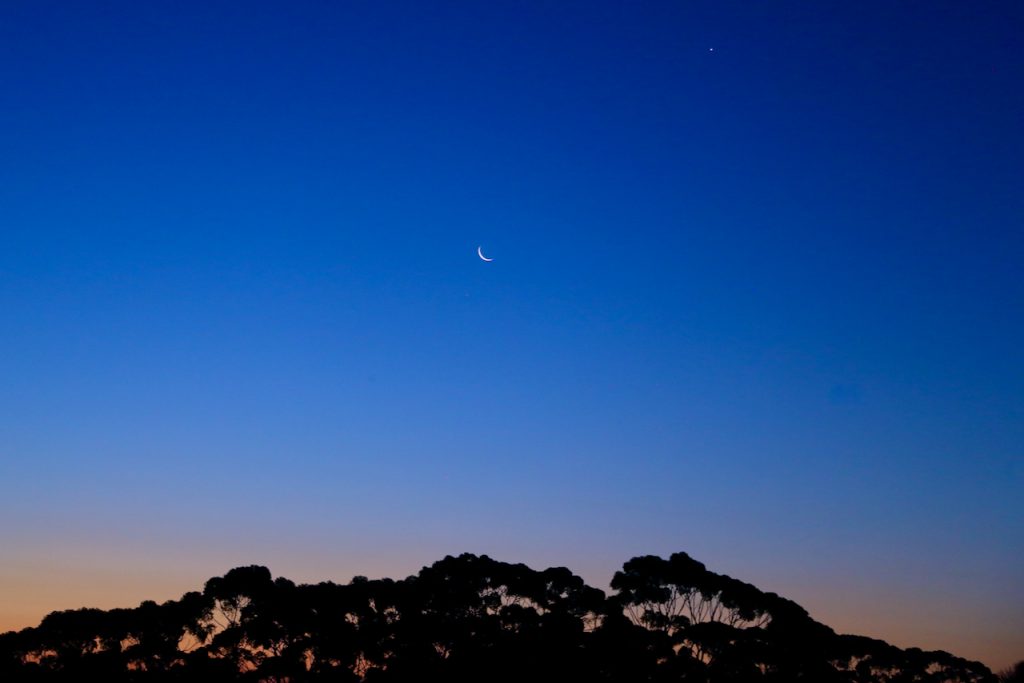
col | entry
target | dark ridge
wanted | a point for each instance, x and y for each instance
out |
(468, 618)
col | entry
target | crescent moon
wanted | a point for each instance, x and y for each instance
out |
(480, 253)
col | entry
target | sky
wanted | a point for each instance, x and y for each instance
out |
(756, 296)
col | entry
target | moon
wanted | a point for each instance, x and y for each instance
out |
(480, 253)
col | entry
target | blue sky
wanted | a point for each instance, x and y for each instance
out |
(756, 296)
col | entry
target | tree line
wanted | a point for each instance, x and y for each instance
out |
(469, 618)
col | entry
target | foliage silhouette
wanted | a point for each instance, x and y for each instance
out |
(1014, 674)
(470, 618)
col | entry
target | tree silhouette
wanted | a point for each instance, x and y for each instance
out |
(470, 618)
(1013, 674)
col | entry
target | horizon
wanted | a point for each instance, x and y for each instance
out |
(755, 296)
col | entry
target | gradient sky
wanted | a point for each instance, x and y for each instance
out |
(757, 295)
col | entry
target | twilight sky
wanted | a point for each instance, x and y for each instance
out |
(757, 295)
